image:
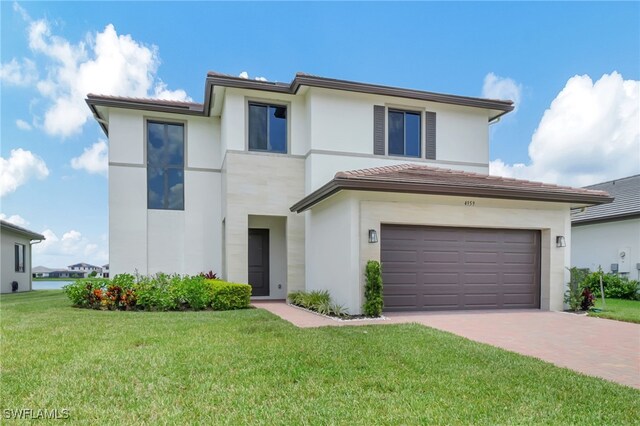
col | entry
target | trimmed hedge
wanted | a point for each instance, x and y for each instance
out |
(160, 292)
(373, 301)
(227, 296)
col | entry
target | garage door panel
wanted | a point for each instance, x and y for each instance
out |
(481, 278)
(439, 257)
(486, 300)
(434, 278)
(459, 268)
(401, 278)
(519, 300)
(480, 257)
(449, 301)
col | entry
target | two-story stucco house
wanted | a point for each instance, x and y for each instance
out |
(296, 186)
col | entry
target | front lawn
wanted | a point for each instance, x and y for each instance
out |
(618, 309)
(246, 367)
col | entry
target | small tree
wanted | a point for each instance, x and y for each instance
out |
(373, 289)
(93, 274)
(573, 296)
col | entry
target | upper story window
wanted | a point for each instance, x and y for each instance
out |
(19, 250)
(267, 127)
(404, 133)
(165, 166)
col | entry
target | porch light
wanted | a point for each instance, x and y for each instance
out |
(560, 241)
(373, 236)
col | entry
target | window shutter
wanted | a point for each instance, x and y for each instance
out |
(430, 150)
(378, 129)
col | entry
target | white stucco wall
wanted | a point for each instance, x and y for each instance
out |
(332, 252)
(262, 184)
(339, 274)
(8, 274)
(600, 244)
(149, 241)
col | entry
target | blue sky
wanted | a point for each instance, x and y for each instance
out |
(572, 67)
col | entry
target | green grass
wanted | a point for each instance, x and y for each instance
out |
(618, 309)
(246, 367)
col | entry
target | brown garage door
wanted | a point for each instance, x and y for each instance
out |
(437, 268)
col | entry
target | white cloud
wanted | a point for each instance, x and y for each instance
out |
(18, 74)
(72, 247)
(15, 219)
(23, 125)
(589, 134)
(19, 168)
(94, 159)
(103, 63)
(245, 75)
(496, 87)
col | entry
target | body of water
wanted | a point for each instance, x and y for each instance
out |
(48, 285)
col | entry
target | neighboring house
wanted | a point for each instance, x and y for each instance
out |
(86, 268)
(105, 271)
(44, 272)
(253, 183)
(608, 235)
(16, 257)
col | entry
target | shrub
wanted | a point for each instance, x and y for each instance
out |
(587, 299)
(614, 285)
(154, 292)
(191, 292)
(318, 301)
(573, 296)
(373, 289)
(209, 275)
(226, 296)
(86, 293)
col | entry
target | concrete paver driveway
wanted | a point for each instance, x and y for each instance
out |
(593, 346)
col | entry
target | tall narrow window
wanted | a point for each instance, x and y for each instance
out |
(404, 133)
(165, 166)
(267, 128)
(19, 249)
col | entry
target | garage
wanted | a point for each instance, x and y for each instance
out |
(450, 268)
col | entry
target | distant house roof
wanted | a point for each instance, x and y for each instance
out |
(20, 230)
(105, 266)
(42, 269)
(83, 265)
(418, 179)
(626, 203)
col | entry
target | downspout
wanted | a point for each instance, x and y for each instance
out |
(31, 244)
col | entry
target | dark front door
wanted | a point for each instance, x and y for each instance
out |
(259, 261)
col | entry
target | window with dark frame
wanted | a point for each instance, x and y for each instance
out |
(267, 127)
(20, 252)
(165, 166)
(404, 133)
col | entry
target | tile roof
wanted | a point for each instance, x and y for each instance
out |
(420, 179)
(626, 203)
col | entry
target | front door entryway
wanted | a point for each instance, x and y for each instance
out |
(259, 261)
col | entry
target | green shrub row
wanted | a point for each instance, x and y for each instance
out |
(318, 301)
(615, 286)
(159, 292)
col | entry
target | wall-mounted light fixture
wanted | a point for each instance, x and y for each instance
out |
(560, 241)
(373, 236)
